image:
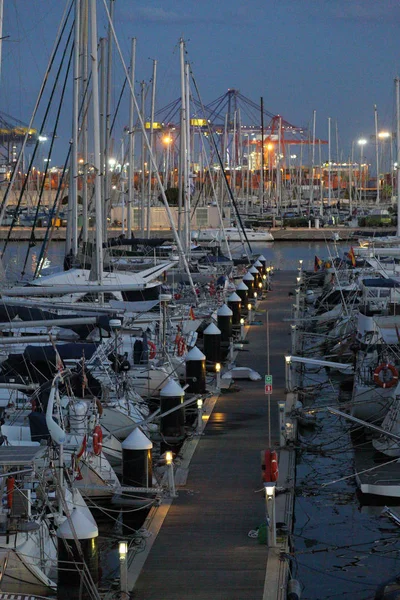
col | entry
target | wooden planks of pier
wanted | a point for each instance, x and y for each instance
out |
(202, 550)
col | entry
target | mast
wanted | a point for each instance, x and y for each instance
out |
(73, 182)
(1, 32)
(84, 95)
(131, 159)
(329, 162)
(321, 207)
(262, 156)
(188, 160)
(397, 81)
(143, 178)
(153, 100)
(278, 166)
(96, 144)
(182, 160)
(107, 186)
(377, 154)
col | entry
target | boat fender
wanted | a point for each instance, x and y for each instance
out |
(294, 589)
(10, 491)
(97, 440)
(386, 367)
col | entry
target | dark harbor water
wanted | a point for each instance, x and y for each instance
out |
(344, 547)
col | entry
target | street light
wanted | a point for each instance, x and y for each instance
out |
(241, 328)
(270, 509)
(171, 480)
(218, 372)
(123, 565)
(361, 142)
(199, 415)
(249, 312)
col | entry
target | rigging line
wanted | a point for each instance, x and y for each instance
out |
(211, 135)
(23, 188)
(360, 472)
(60, 33)
(32, 238)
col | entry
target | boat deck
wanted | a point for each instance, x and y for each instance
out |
(203, 550)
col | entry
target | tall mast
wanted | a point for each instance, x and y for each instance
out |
(182, 160)
(96, 144)
(321, 207)
(188, 160)
(377, 154)
(143, 178)
(131, 160)
(397, 80)
(85, 98)
(1, 32)
(107, 140)
(329, 162)
(73, 182)
(262, 155)
(153, 101)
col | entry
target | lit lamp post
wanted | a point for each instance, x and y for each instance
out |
(171, 479)
(361, 143)
(385, 136)
(167, 141)
(249, 312)
(123, 565)
(218, 372)
(260, 287)
(288, 373)
(199, 415)
(270, 509)
(242, 328)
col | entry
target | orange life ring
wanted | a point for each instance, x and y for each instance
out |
(274, 466)
(152, 349)
(386, 367)
(97, 440)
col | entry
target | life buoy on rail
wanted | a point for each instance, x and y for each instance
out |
(274, 466)
(180, 345)
(152, 349)
(269, 464)
(392, 381)
(97, 440)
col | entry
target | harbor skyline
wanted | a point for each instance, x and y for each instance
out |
(338, 59)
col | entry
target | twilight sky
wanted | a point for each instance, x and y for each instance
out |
(339, 57)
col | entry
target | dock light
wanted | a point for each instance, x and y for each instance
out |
(260, 285)
(171, 479)
(288, 359)
(199, 415)
(123, 566)
(288, 373)
(123, 550)
(218, 372)
(255, 295)
(298, 279)
(249, 313)
(384, 135)
(241, 328)
(270, 510)
(300, 261)
(264, 277)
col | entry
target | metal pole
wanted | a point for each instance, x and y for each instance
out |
(397, 80)
(143, 178)
(73, 182)
(377, 155)
(84, 92)
(269, 395)
(107, 134)
(131, 167)
(96, 145)
(329, 163)
(153, 100)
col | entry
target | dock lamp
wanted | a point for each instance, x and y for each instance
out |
(293, 329)
(218, 372)
(199, 415)
(255, 296)
(171, 479)
(270, 512)
(297, 290)
(249, 311)
(242, 328)
(260, 287)
(288, 373)
(123, 565)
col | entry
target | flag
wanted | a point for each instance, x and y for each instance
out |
(317, 263)
(352, 257)
(191, 314)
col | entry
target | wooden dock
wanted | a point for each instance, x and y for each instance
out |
(200, 548)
